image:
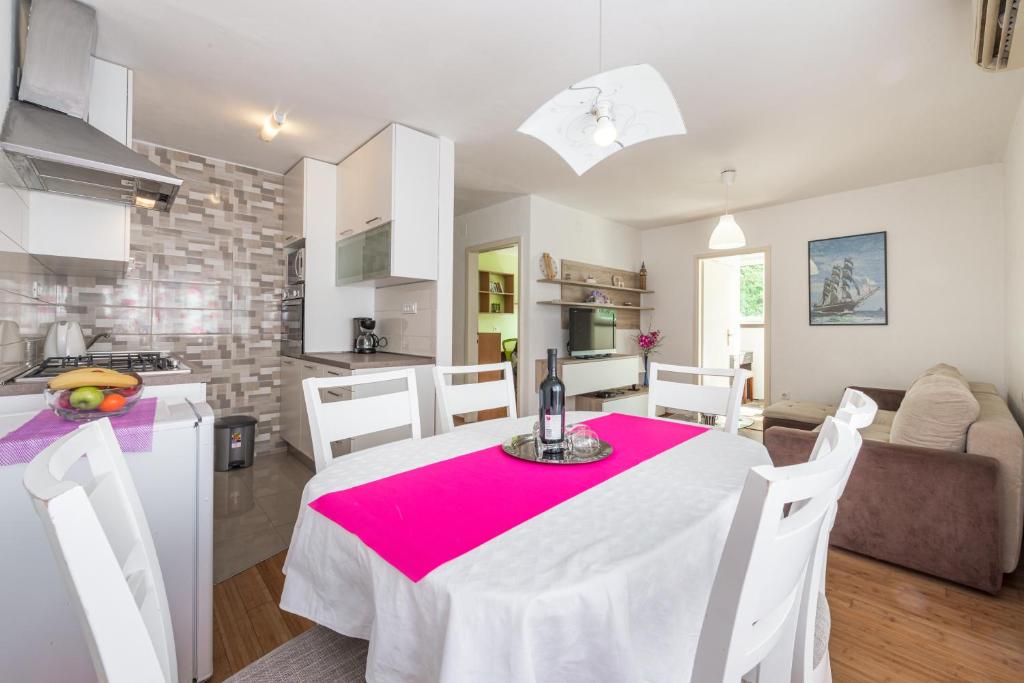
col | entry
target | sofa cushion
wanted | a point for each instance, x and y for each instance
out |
(983, 388)
(944, 370)
(996, 434)
(800, 411)
(879, 429)
(935, 413)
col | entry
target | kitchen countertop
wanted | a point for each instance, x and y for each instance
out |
(364, 361)
(191, 377)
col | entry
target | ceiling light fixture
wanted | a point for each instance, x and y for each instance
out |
(272, 126)
(591, 120)
(727, 234)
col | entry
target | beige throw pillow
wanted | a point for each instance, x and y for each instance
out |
(945, 370)
(935, 413)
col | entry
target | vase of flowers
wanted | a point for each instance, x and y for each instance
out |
(648, 343)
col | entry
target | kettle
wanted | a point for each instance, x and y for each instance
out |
(64, 338)
(12, 349)
(368, 342)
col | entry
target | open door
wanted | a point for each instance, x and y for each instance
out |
(720, 316)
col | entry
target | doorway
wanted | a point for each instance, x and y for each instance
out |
(733, 309)
(494, 325)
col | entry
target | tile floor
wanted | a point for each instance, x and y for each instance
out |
(254, 510)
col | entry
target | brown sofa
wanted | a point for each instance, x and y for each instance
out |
(956, 515)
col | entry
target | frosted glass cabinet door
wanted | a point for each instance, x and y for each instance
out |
(349, 260)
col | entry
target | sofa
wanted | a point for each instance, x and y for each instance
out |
(953, 511)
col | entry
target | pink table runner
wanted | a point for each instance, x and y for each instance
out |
(134, 431)
(420, 519)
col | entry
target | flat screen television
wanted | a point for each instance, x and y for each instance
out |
(591, 332)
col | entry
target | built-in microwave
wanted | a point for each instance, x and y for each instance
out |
(296, 267)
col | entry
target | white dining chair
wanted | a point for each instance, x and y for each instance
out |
(751, 616)
(811, 663)
(699, 398)
(103, 546)
(458, 399)
(346, 418)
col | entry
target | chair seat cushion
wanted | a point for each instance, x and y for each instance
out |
(317, 656)
(822, 629)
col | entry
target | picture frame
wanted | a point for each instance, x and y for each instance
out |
(847, 280)
(618, 281)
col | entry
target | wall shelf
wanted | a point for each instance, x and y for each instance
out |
(587, 304)
(505, 300)
(592, 285)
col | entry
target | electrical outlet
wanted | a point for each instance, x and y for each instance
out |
(409, 308)
(35, 290)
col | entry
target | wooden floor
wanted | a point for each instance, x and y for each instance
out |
(888, 624)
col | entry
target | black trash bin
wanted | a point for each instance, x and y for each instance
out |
(234, 439)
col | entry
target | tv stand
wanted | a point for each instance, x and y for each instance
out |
(586, 375)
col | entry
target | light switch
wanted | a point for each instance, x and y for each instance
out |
(409, 308)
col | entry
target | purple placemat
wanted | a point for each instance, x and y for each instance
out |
(134, 431)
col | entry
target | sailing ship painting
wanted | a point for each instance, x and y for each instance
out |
(847, 278)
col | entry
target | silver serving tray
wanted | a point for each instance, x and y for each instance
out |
(522, 447)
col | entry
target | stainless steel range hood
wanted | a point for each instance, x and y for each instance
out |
(54, 151)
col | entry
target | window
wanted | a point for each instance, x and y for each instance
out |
(752, 293)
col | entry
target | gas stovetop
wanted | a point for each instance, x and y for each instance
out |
(142, 362)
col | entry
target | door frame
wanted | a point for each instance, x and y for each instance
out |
(472, 302)
(699, 302)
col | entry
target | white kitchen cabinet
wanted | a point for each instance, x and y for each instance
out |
(291, 401)
(364, 185)
(307, 370)
(388, 201)
(76, 236)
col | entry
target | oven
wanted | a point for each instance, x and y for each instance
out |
(292, 325)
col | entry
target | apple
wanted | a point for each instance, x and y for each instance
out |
(86, 398)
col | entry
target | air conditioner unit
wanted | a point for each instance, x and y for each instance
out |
(994, 24)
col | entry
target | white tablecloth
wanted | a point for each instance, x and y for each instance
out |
(611, 585)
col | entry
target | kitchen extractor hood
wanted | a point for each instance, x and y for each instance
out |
(55, 151)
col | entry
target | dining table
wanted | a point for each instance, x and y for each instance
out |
(460, 563)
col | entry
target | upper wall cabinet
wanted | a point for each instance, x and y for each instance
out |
(76, 236)
(388, 209)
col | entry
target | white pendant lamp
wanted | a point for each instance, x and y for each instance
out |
(727, 234)
(591, 120)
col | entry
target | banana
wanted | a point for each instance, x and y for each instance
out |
(92, 377)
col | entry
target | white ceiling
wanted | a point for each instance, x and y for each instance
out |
(803, 97)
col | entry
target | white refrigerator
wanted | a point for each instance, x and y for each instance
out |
(40, 633)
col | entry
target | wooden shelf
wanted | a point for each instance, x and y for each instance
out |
(498, 293)
(576, 283)
(587, 304)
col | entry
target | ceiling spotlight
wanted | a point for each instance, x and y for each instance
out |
(604, 132)
(272, 126)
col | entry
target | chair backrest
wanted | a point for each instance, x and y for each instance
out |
(857, 410)
(105, 552)
(700, 398)
(509, 348)
(456, 399)
(359, 415)
(761, 576)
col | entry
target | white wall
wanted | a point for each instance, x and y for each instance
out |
(1014, 252)
(571, 234)
(509, 220)
(945, 282)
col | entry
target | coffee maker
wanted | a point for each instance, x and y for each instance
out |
(366, 341)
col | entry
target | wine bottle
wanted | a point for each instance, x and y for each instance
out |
(552, 408)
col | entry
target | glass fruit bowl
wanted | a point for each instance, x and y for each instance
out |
(94, 402)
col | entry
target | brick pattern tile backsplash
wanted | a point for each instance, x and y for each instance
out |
(206, 284)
